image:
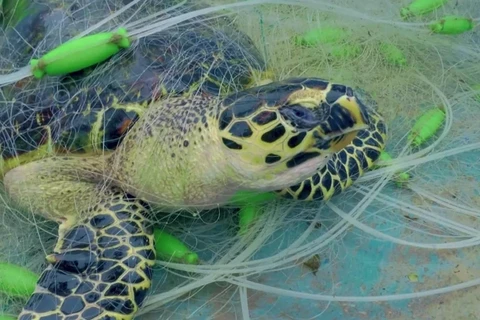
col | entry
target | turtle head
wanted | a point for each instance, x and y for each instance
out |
(278, 134)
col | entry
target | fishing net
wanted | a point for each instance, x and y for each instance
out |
(401, 243)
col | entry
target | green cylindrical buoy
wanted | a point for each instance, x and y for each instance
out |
(421, 7)
(345, 51)
(477, 89)
(245, 198)
(321, 36)
(393, 55)
(400, 178)
(247, 216)
(170, 248)
(16, 281)
(452, 25)
(426, 126)
(384, 156)
(79, 54)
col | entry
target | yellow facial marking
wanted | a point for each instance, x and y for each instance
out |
(308, 96)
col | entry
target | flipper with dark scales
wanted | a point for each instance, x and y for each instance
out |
(101, 268)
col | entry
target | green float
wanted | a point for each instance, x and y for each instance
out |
(79, 54)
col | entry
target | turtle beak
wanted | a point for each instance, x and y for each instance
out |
(341, 124)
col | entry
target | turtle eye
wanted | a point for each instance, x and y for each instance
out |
(299, 116)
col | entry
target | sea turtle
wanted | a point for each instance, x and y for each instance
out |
(153, 128)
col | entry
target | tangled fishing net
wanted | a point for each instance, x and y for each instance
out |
(401, 243)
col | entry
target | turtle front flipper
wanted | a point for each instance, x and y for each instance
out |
(101, 267)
